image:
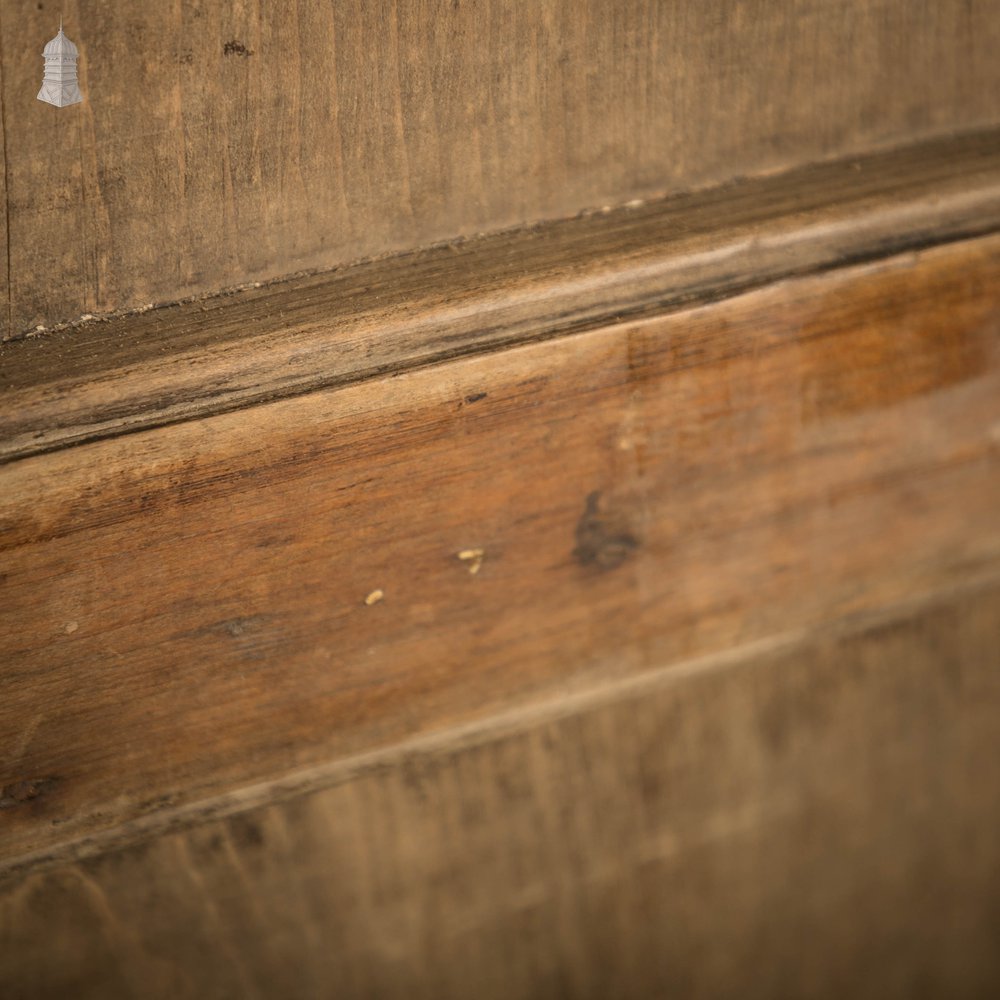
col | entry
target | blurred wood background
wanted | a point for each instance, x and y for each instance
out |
(501, 499)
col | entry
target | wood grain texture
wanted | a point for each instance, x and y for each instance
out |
(222, 143)
(184, 609)
(207, 356)
(6, 310)
(814, 822)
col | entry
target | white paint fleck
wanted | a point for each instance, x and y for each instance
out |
(474, 557)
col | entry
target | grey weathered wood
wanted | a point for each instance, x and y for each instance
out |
(6, 313)
(223, 143)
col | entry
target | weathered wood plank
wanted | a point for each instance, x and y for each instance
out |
(184, 609)
(221, 143)
(5, 300)
(817, 821)
(213, 355)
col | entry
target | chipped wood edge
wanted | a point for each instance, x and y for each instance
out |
(191, 360)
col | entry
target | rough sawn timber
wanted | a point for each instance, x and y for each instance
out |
(221, 143)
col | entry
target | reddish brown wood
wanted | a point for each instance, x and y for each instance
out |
(184, 609)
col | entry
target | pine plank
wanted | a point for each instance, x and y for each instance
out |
(222, 143)
(207, 356)
(192, 608)
(814, 820)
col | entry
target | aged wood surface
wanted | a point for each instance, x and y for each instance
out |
(208, 356)
(817, 821)
(220, 143)
(6, 308)
(190, 608)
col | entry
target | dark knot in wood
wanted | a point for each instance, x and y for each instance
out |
(603, 540)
